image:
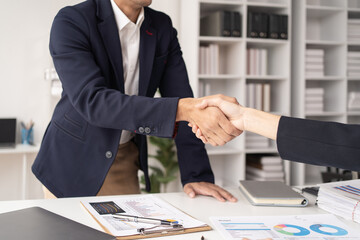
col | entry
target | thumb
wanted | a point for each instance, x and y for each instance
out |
(202, 105)
(189, 190)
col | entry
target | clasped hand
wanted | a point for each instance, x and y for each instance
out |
(204, 113)
(221, 126)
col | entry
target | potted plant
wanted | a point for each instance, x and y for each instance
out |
(166, 157)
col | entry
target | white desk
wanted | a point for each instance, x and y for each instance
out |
(24, 150)
(201, 208)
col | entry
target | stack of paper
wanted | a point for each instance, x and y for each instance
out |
(314, 100)
(264, 168)
(353, 64)
(354, 30)
(314, 62)
(341, 198)
(253, 140)
(354, 101)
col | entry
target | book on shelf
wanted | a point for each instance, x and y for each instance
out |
(236, 24)
(260, 167)
(264, 173)
(253, 140)
(354, 101)
(353, 64)
(209, 59)
(314, 100)
(257, 60)
(264, 159)
(204, 88)
(314, 62)
(265, 25)
(221, 23)
(258, 96)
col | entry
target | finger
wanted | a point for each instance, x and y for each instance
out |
(229, 99)
(228, 127)
(195, 129)
(216, 195)
(225, 194)
(204, 140)
(202, 105)
(189, 190)
(190, 125)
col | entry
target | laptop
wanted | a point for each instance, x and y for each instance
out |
(36, 223)
(7, 132)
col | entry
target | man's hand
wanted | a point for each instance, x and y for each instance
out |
(208, 189)
(229, 106)
(214, 125)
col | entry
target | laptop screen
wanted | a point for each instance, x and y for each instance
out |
(7, 131)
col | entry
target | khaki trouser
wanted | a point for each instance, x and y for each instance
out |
(122, 177)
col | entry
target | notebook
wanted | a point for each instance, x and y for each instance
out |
(7, 132)
(36, 223)
(271, 193)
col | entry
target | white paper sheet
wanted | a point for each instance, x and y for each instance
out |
(315, 227)
(142, 206)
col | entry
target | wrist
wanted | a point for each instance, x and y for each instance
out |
(183, 109)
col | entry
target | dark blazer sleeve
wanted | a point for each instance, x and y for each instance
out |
(319, 143)
(193, 159)
(87, 88)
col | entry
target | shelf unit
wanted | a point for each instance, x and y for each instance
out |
(228, 162)
(322, 24)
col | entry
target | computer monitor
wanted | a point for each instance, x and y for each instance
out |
(7, 132)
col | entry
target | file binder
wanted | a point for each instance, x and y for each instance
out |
(216, 24)
(235, 24)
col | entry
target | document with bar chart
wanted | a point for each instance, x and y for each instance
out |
(316, 227)
(147, 206)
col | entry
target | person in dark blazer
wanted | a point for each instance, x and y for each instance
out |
(110, 71)
(302, 140)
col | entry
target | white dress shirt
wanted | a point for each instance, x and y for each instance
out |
(129, 34)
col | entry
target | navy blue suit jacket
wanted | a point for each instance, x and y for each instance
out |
(319, 143)
(82, 138)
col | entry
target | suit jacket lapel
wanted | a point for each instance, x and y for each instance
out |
(146, 53)
(110, 35)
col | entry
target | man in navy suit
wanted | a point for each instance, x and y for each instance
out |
(111, 57)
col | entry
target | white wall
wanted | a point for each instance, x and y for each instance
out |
(24, 94)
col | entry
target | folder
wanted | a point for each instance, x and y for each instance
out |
(216, 24)
(235, 24)
(271, 193)
(252, 30)
(263, 25)
(274, 24)
(283, 29)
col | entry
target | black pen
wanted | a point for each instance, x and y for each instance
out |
(136, 219)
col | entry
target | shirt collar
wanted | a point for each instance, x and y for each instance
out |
(122, 20)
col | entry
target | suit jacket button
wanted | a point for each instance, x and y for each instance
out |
(141, 129)
(147, 130)
(108, 154)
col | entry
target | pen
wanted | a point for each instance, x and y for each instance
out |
(130, 218)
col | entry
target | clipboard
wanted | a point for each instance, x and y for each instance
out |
(155, 231)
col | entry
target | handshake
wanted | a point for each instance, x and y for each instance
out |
(218, 119)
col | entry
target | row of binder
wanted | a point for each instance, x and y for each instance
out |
(221, 23)
(265, 25)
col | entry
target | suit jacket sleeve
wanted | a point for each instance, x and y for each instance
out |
(89, 91)
(319, 143)
(193, 159)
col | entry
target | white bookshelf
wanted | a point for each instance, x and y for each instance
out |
(228, 162)
(322, 24)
